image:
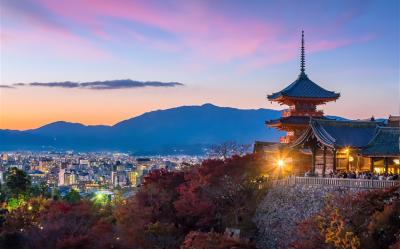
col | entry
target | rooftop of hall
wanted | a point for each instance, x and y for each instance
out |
(340, 133)
(386, 142)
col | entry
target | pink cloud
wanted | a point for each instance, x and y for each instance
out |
(31, 31)
(206, 32)
(196, 25)
(63, 44)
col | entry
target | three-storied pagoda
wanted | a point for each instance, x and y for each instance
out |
(317, 144)
(302, 96)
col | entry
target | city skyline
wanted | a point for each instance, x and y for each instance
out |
(226, 53)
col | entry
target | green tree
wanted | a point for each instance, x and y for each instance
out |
(72, 197)
(41, 189)
(3, 193)
(17, 182)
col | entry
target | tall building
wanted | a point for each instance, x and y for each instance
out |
(69, 178)
(61, 177)
(114, 179)
(143, 164)
(120, 167)
(1, 177)
(302, 96)
(132, 177)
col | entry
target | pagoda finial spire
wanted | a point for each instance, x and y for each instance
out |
(302, 58)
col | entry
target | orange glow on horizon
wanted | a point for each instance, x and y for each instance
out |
(29, 108)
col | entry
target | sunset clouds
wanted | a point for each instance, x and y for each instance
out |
(102, 85)
(227, 52)
(92, 29)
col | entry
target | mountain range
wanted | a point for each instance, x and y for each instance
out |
(180, 130)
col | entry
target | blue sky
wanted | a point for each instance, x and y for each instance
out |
(230, 53)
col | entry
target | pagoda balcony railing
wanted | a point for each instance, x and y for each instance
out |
(305, 113)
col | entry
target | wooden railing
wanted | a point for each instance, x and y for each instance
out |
(338, 182)
(294, 112)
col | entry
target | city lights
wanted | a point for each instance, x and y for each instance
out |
(280, 163)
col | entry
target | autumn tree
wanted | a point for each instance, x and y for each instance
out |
(337, 233)
(384, 227)
(220, 193)
(201, 240)
(367, 220)
(24, 216)
(148, 219)
(63, 222)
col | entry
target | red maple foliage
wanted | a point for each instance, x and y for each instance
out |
(210, 197)
(200, 240)
(220, 193)
(149, 217)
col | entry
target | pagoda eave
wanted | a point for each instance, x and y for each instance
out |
(285, 100)
(285, 123)
(282, 126)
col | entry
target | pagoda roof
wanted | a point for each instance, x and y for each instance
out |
(337, 134)
(305, 88)
(293, 120)
(386, 142)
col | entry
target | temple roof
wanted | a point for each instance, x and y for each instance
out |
(386, 142)
(336, 134)
(303, 87)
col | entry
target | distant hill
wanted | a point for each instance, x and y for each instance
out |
(185, 129)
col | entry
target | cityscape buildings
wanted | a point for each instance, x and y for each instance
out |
(90, 172)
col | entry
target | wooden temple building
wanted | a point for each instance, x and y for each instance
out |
(320, 145)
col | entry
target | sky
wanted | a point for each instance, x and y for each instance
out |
(100, 62)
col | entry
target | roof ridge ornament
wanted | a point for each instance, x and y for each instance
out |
(302, 56)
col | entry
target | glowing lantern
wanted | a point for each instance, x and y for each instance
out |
(280, 163)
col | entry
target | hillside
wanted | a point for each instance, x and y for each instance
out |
(185, 129)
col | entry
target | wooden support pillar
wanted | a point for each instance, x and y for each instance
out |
(397, 166)
(386, 160)
(348, 162)
(313, 159)
(371, 165)
(334, 161)
(324, 163)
